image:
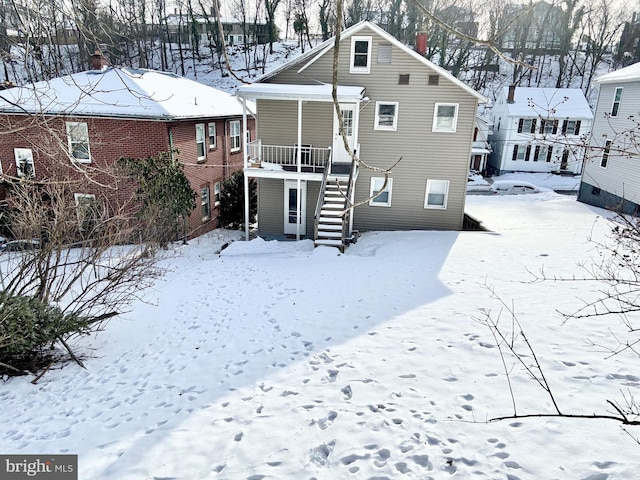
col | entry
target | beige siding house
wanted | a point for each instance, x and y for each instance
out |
(399, 110)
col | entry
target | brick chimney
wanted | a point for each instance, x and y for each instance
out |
(98, 62)
(421, 43)
(512, 93)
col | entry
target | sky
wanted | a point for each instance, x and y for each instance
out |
(275, 360)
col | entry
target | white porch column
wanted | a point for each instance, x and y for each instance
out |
(245, 147)
(246, 206)
(299, 160)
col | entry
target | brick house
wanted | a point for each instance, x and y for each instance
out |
(88, 120)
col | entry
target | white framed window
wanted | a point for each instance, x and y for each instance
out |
(386, 116)
(86, 210)
(205, 203)
(617, 98)
(571, 127)
(200, 142)
(605, 154)
(437, 194)
(384, 199)
(213, 143)
(217, 191)
(445, 117)
(24, 162)
(234, 135)
(78, 141)
(360, 55)
(521, 153)
(527, 125)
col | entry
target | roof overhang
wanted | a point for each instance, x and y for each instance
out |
(285, 91)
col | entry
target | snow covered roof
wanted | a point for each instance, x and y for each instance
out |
(627, 74)
(122, 93)
(320, 92)
(548, 102)
(327, 46)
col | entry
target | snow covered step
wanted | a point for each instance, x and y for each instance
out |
(335, 206)
(323, 227)
(331, 213)
(329, 243)
(334, 200)
(325, 234)
(325, 220)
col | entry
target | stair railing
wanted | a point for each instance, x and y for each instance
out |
(348, 204)
(320, 201)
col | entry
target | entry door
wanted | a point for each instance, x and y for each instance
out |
(348, 111)
(291, 217)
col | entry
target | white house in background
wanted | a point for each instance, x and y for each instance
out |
(539, 130)
(611, 175)
(480, 149)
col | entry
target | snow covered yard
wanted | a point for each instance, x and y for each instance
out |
(280, 361)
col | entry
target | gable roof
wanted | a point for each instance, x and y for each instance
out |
(327, 46)
(121, 93)
(532, 101)
(627, 74)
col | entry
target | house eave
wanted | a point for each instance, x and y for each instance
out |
(317, 93)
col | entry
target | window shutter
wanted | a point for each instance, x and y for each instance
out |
(577, 132)
(515, 153)
(549, 153)
(533, 126)
(564, 127)
(555, 126)
(526, 155)
(520, 122)
(536, 153)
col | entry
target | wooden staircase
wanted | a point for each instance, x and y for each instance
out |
(332, 222)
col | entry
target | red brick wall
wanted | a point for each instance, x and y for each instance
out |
(110, 139)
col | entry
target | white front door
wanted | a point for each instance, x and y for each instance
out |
(349, 116)
(291, 217)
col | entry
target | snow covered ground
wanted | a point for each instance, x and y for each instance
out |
(280, 361)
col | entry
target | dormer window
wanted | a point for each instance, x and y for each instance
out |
(360, 55)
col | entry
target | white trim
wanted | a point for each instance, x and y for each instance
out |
(619, 102)
(352, 57)
(394, 125)
(231, 136)
(376, 185)
(431, 183)
(75, 125)
(212, 146)
(454, 123)
(26, 155)
(201, 141)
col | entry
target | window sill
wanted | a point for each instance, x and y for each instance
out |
(236, 150)
(201, 159)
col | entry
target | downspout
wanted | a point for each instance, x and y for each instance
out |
(299, 160)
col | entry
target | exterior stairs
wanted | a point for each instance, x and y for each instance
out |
(331, 224)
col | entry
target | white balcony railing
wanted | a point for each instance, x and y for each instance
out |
(311, 158)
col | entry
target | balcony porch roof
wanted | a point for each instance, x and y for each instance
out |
(284, 91)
